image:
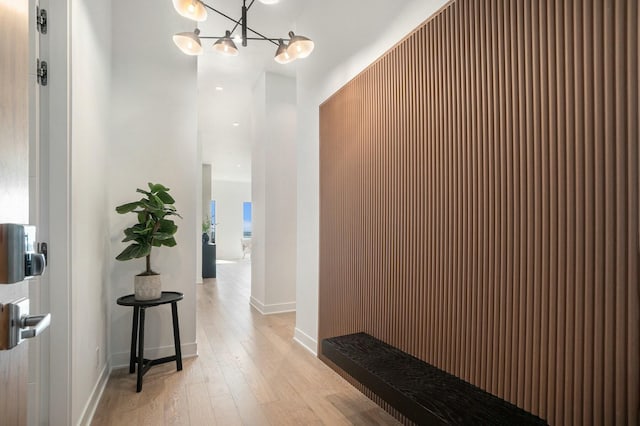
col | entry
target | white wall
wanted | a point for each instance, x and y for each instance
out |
(229, 197)
(273, 254)
(207, 191)
(336, 60)
(153, 139)
(258, 190)
(280, 182)
(90, 217)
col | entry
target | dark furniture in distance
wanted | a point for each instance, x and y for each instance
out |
(208, 260)
(423, 393)
(137, 333)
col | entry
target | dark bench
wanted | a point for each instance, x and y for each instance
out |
(421, 392)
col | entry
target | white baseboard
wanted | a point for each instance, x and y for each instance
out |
(121, 359)
(90, 408)
(306, 341)
(277, 308)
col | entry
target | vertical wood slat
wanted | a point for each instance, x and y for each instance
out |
(479, 203)
(633, 208)
(573, 355)
(579, 247)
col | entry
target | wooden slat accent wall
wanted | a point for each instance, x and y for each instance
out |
(479, 203)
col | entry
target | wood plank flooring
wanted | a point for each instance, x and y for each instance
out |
(249, 372)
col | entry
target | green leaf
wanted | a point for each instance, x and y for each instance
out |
(134, 251)
(166, 198)
(167, 227)
(129, 207)
(161, 236)
(157, 187)
(130, 235)
(153, 208)
(171, 242)
(142, 191)
(142, 228)
(157, 202)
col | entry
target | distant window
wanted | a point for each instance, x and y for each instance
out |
(213, 221)
(246, 219)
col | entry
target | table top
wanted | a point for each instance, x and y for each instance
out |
(167, 297)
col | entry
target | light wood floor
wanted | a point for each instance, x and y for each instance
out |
(249, 371)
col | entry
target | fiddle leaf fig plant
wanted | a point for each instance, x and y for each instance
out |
(155, 227)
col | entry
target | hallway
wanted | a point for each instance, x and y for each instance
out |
(249, 371)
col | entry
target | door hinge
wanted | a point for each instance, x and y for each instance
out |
(43, 72)
(41, 20)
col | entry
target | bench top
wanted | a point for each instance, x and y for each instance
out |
(423, 393)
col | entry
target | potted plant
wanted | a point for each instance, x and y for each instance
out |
(206, 226)
(155, 228)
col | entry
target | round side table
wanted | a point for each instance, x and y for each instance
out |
(137, 332)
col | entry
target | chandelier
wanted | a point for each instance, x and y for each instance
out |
(287, 49)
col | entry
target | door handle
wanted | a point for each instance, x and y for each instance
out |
(38, 322)
(16, 324)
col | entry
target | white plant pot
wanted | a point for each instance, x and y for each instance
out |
(147, 287)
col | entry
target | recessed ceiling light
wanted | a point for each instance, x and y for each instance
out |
(238, 166)
(236, 124)
(269, 1)
(219, 88)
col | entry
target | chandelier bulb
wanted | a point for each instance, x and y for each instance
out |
(191, 9)
(299, 46)
(225, 45)
(189, 42)
(282, 55)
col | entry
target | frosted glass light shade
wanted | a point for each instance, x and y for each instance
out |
(299, 46)
(192, 9)
(226, 46)
(282, 55)
(189, 42)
